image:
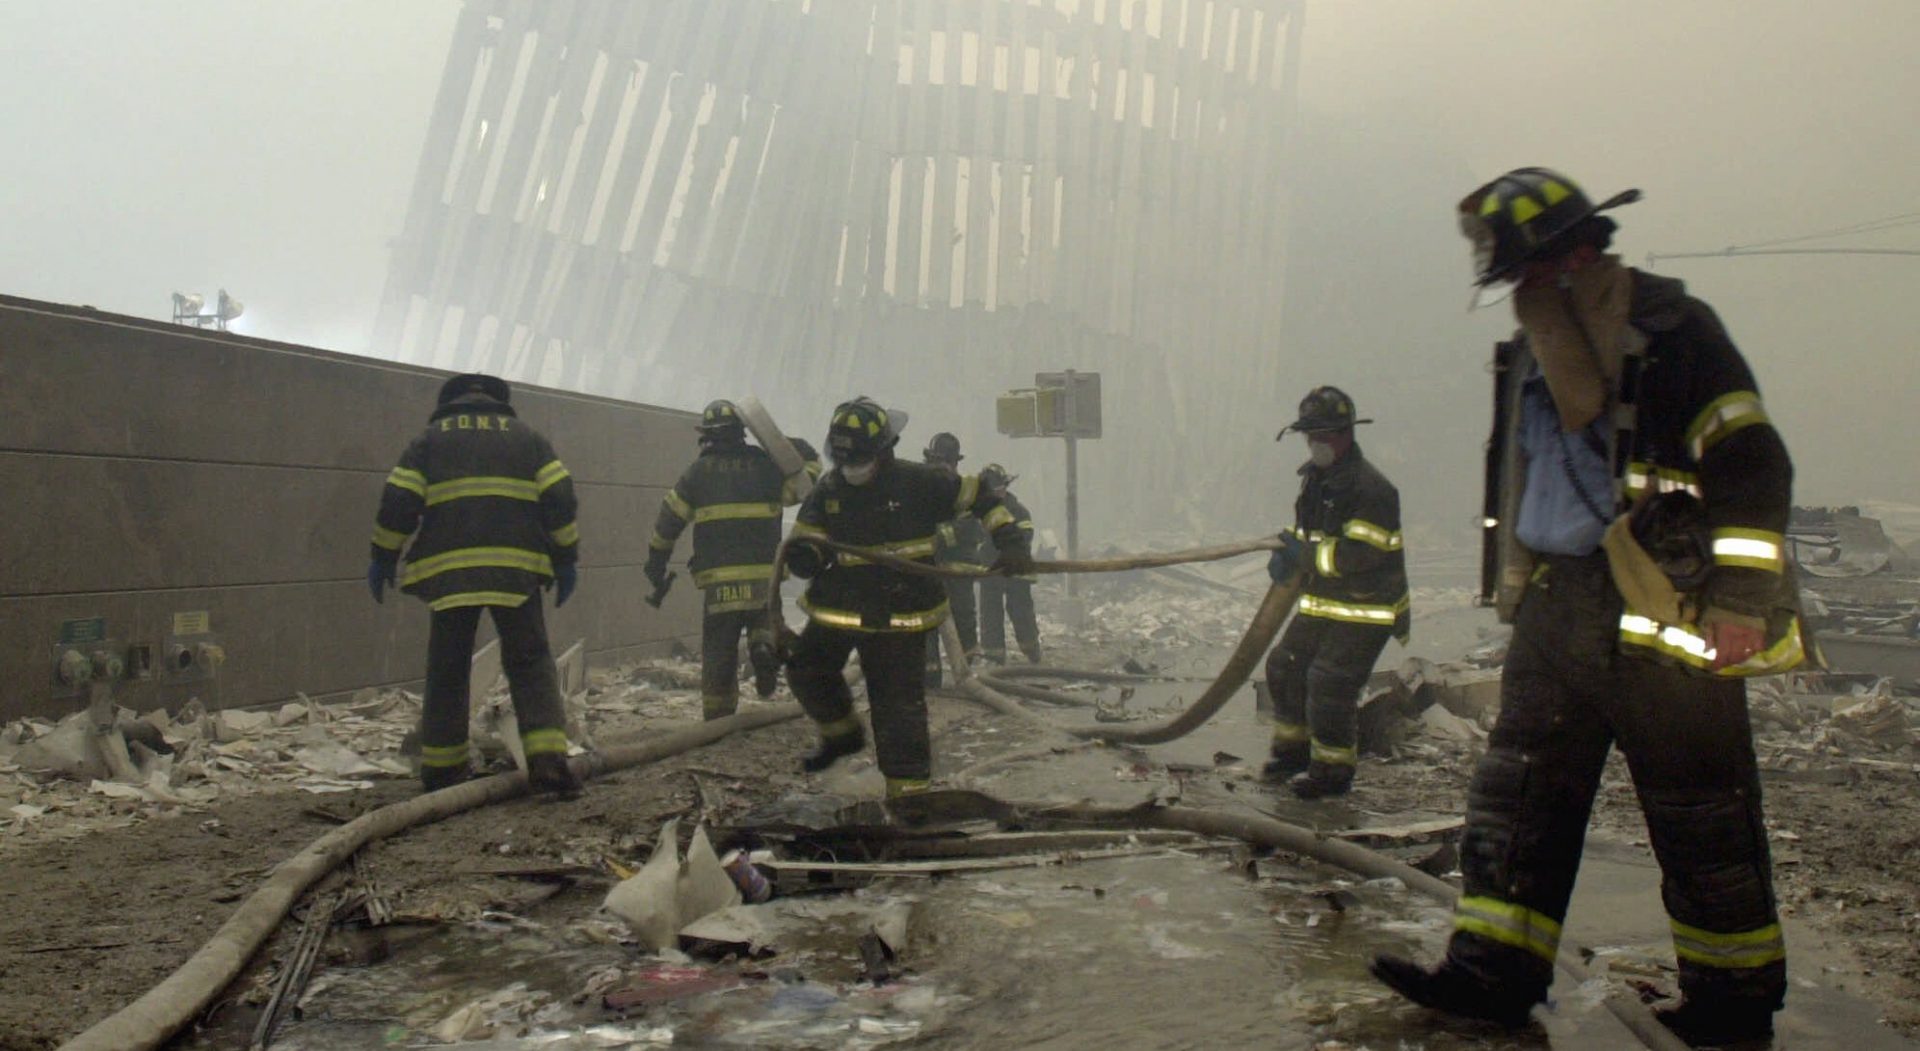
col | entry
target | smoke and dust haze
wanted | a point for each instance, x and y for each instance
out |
(270, 149)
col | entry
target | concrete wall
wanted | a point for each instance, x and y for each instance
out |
(152, 470)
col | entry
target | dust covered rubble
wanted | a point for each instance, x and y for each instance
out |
(193, 759)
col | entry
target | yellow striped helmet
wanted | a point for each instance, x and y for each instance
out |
(1525, 214)
(721, 416)
(860, 431)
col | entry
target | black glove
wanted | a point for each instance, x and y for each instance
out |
(1014, 562)
(566, 577)
(379, 575)
(656, 570)
(805, 449)
(1289, 558)
(807, 561)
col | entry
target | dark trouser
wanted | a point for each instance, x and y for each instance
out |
(1566, 697)
(531, 676)
(720, 660)
(891, 661)
(1001, 599)
(961, 603)
(1315, 677)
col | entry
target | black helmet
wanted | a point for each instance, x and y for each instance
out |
(1323, 409)
(492, 387)
(995, 477)
(861, 430)
(942, 448)
(1525, 214)
(721, 418)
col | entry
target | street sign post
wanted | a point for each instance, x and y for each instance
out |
(1059, 405)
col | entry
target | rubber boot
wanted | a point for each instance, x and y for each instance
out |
(435, 778)
(549, 773)
(832, 748)
(1717, 1023)
(1322, 780)
(766, 664)
(1450, 988)
(1287, 761)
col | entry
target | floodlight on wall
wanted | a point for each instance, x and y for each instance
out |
(189, 309)
(228, 308)
(186, 306)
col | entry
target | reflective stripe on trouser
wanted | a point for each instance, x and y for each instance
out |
(1567, 697)
(1315, 675)
(531, 676)
(720, 661)
(894, 666)
(1003, 599)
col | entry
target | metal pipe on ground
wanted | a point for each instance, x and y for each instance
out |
(164, 1010)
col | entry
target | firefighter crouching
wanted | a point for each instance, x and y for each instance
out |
(1008, 598)
(1346, 541)
(495, 512)
(732, 494)
(1637, 503)
(870, 499)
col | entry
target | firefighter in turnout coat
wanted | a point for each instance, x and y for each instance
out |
(493, 507)
(732, 495)
(871, 500)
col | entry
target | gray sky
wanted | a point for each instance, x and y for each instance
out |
(270, 147)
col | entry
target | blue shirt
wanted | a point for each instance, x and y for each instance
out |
(1554, 520)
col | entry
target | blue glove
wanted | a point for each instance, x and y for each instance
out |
(379, 575)
(1288, 559)
(566, 577)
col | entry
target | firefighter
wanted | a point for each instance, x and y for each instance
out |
(495, 512)
(1637, 503)
(870, 499)
(1345, 542)
(962, 543)
(1008, 598)
(733, 494)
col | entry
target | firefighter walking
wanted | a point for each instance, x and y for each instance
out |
(1008, 598)
(870, 499)
(1637, 502)
(733, 495)
(1346, 543)
(494, 509)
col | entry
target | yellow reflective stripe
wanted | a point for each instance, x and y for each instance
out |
(845, 726)
(412, 481)
(848, 620)
(544, 742)
(1311, 536)
(388, 538)
(509, 599)
(1323, 558)
(1642, 476)
(1358, 613)
(906, 786)
(1025, 524)
(677, 504)
(996, 518)
(725, 512)
(443, 755)
(1368, 533)
(1327, 753)
(1509, 924)
(1685, 644)
(476, 558)
(808, 531)
(1755, 948)
(550, 475)
(1289, 733)
(660, 543)
(969, 492)
(732, 574)
(1752, 548)
(1721, 418)
(567, 535)
(920, 547)
(462, 488)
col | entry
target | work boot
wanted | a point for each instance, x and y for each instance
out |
(1031, 651)
(549, 772)
(832, 748)
(435, 778)
(1450, 988)
(1287, 761)
(766, 665)
(1714, 1023)
(1322, 780)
